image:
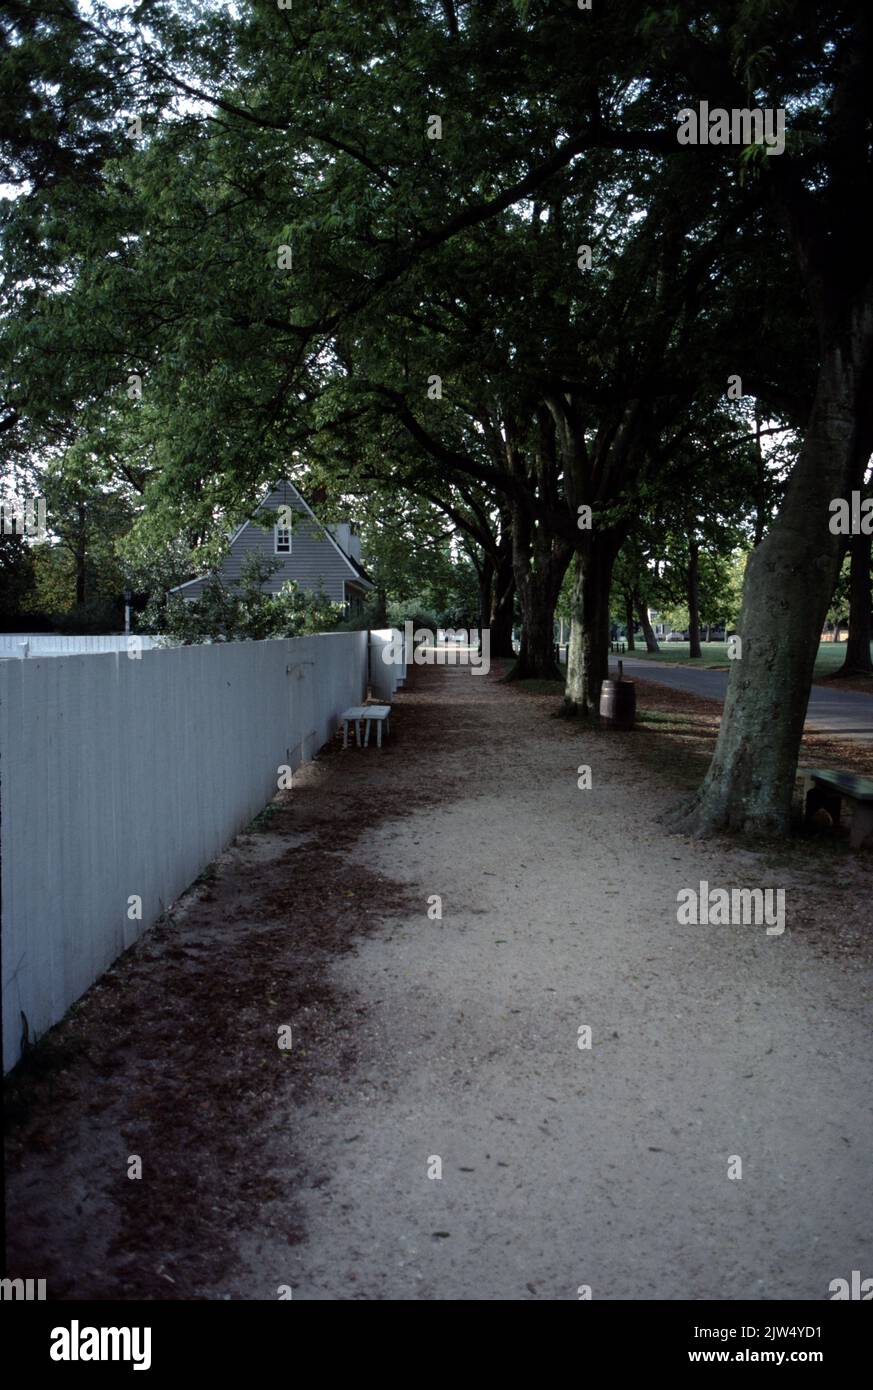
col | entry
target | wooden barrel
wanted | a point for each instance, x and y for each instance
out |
(618, 704)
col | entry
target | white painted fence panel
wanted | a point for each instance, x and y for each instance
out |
(123, 777)
(388, 661)
(30, 644)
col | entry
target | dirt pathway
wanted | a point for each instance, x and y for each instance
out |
(417, 1039)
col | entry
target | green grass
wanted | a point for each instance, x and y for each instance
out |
(831, 656)
(263, 819)
(669, 719)
(714, 654)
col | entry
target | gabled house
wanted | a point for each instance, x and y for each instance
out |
(320, 558)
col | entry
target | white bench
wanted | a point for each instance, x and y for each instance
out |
(366, 714)
(379, 715)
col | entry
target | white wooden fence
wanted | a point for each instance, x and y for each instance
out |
(388, 661)
(28, 644)
(121, 779)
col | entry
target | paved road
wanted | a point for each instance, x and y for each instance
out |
(845, 713)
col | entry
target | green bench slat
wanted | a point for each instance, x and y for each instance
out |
(860, 788)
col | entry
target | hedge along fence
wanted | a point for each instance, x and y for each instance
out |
(123, 778)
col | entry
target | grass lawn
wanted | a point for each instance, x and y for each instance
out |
(676, 653)
(831, 656)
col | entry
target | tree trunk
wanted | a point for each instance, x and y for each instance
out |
(536, 657)
(539, 562)
(486, 591)
(648, 630)
(81, 556)
(693, 595)
(789, 582)
(629, 621)
(760, 484)
(503, 608)
(857, 661)
(588, 650)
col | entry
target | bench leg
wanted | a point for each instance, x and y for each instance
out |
(367, 733)
(862, 824)
(378, 733)
(358, 732)
(345, 733)
(820, 800)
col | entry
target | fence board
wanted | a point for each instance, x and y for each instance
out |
(122, 777)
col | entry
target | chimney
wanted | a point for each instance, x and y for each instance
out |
(341, 535)
(355, 546)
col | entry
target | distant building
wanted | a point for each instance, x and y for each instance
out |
(319, 558)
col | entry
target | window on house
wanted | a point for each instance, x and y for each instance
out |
(282, 540)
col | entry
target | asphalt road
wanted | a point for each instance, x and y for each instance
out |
(845, 713)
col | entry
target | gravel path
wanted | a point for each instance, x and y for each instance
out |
(845, 713)
(564, 1167)
(418, 1039)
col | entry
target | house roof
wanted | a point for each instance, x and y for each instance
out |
(360, 575)
(359, 568)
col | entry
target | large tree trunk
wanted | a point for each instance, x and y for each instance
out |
(380, 617)
(629, 621)
(536, 657)
(503, 607)
(486, 591)
(857, 662)
(588, 650)
(539, 562)
(693, 593)
(789, 581)
(648, 630)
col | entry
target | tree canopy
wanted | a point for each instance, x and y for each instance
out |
(452, 264)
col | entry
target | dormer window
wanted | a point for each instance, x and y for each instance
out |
(282, 540)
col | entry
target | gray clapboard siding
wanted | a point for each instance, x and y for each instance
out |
(315, 561)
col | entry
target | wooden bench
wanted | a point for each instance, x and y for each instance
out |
(366, 714)
(825, 791)
(618, 646)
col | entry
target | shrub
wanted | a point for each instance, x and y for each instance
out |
(244, 613)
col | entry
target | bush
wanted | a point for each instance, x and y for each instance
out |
(246, 613)
(368, 617)
(400, 613)
(95, 615)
